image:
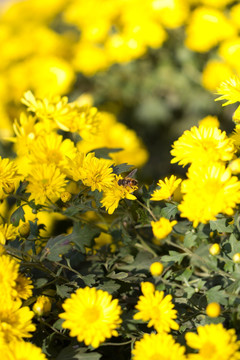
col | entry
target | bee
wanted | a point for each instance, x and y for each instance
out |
(128, 181)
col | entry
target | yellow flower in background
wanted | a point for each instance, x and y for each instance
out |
(113, 134)
(9, 269)
(21, 350)
(235, 15)
(8, 172)
(234, 166)
(229, 50)
(46, 182)
(115, 193)
(202, 145)
(162, 228)
(215, 249)
(167, 188)
(91, 315)
(15, 321)
(214, 73)
(206, 28)
(208, 191)
(156, 309)
(158, 346)
(229, 90)
(213, 342)
(23, 287)
(209, 121)
(7, 232)
(42, 306)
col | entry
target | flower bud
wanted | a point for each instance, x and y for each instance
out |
(215, 249)
(156, 268)
(24, 229)
(42, 306)
(236, 258)
(213, 309)
(147, 288)
(65, 196)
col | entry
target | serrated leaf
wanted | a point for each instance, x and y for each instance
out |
(40, 283)
(185, 275)
(122, 168)
(215, 294)
(64, 291)
(82, 236)
(56, 247)
(173, 256)
(190, 240)
(119, 276)
(221, 225)
(109, 286)
(103, 153)
(169, 211)
(17, 216)
(70, 353)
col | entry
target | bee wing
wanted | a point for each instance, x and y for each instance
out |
(132, 173)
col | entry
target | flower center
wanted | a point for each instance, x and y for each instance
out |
(158, 356)
(92, 314)
(208, 350)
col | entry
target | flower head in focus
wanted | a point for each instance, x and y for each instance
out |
(157, 309)
(167, 188)
(91, 315)
(202, 145)
(115, 193)
(46, 182)
(21, 350)
(229, 90)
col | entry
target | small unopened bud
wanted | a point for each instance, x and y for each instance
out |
(42, 306)
(9, 188)
(24, 229)
(65, 196)
(215, 249)
(156, 268)
(147, 288)
(236, 258)
(213, 309)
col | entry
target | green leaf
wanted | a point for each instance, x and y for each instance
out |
(190, 240)
(122, 168)
(221, 225)
(169, 211)
(82, 236)
(105, 151)
(185, 275)
(56, 247)
(17, 216)
(109, 286)
(121, 275)
(70, 353)
(174, 257)
(64, 291)
(216, 295)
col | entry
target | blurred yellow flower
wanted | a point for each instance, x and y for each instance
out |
(213, 309)
(42, 306)
(167, 188)
(162, 228)
(157, 310)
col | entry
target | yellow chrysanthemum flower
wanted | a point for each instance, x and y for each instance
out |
(158, 310)
(46, 182)
(23, 287)
(96, 173)
(114, 194)
(208, 191)
(162, 228)
(21, 350)
(214, 73)
(230, 91)
(8, 172)
(214, 343)
(158, 346)
(202, 145)
(167, 188)
(52, 149)
(8, 276)
(91, 315)
(7, 232)
(15, 321)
